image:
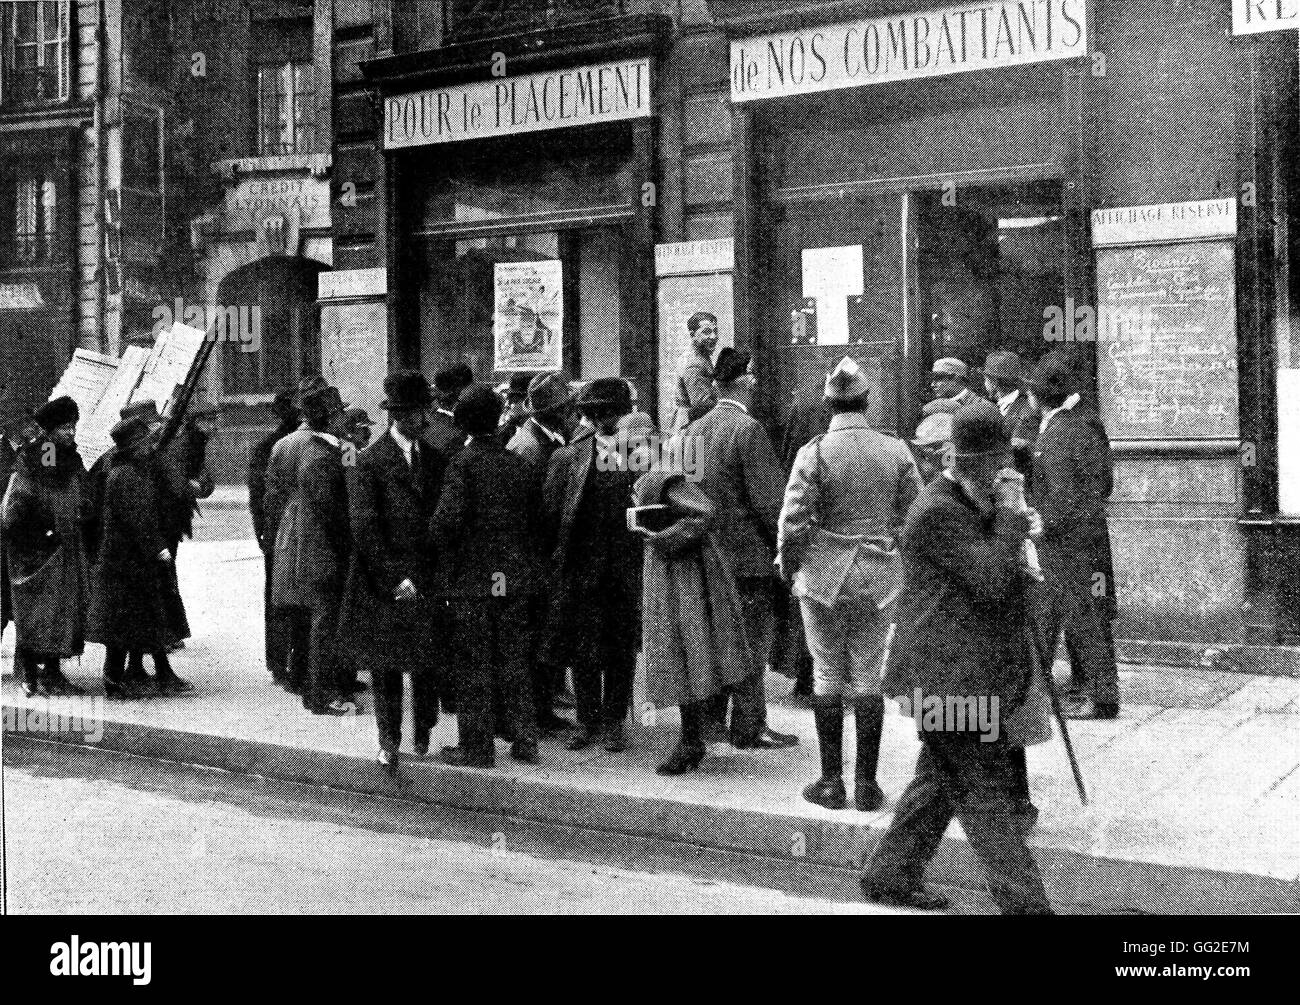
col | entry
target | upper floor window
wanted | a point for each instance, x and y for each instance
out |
(286, 109)
(33, 50)
(482, 18)
(30, 217)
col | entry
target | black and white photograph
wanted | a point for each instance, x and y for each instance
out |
(652, 457)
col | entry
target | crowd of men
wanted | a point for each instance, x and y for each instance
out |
(484, 547)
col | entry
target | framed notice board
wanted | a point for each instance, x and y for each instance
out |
(1167, 351)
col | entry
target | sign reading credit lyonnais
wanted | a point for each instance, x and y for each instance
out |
(929, 43)
(1249, 17)
(577, 96)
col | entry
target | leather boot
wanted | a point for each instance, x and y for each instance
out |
(828, 790)
(869, 719)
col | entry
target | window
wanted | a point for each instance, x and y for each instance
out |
(286, 109)
(30, 206)
(33, 50)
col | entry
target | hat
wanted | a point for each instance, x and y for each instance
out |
(547, 392)
(353, 417)
(310, 385)
(949, 366)
(284, 406)
(731, 364)
(517, 389)
(57, 412)
(129, 432)
(606, 392)
(637, 422)
(1052, 376)
(940, 406)
(406, 390)
(478, 410)
(846, 382)
(977, 430)
(453, 379)
(1003, 366)
(325, 400)
(147, 410)
(934, 430)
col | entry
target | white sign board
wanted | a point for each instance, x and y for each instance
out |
(577, 96)
(169, 363)
(1197, 220)
(1250, 17)
(528, 320)
(930, 43)
(346, 283)
(831, 276)
(684, 258)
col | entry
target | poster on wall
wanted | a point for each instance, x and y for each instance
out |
(831, 276)
(528, 316)
(354, 353)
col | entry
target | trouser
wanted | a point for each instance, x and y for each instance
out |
(1067, 603)
(494, 645)
(388, 685)
(847, 645)
(604, 660)
(541, 673)
(178, 624)
(278, 630)
(976, 782)
(313, 656)
(748, 698)
(693, 724)
(122, 663)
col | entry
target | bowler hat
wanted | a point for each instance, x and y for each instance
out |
(453, 379)
(547, 392)
(129, 432)
(934, 430)
(478, 410)
(977, 430)
(354, 417)
(731, 365)
(606, 392)
(846, 382)
(1003, 366)
(147, 410)
(1052, 376)
(311, 384)
(58, 412)
(949, 366)
(323, 401)
(406, 390)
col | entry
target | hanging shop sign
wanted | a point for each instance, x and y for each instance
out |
(578, 96)
(931, 43)
(528, 322)
(1250, 17)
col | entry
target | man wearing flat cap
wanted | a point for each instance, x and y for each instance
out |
(962, 638)
(948, 384)
(744, 480)
(845, 503)
(932, 445)
(389, 619)
(443, 433)
(42, 528)
(1072, 479)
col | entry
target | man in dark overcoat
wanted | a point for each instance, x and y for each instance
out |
(42, 529)
(16, 435)
(313, 545)
(1004, 385)
(276, 629)
(487, 528)
(387, 620)
(1073, 478)
(743, 477)
(594, 622)
(961, 664)
(443, 433)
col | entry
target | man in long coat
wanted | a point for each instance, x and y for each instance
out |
(16, 435)
(961, 641)
(42, 527)
(743, 478)
(387, 621)
(1003, 383)
(313, 545)
(845, 503)
(443, 433)
(1072, 480)
(695, 394)
(276, 629)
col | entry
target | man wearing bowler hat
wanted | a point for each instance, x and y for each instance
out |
(961, 640)
(443, 433)
(515, 414)
(1003, 383)
(1072, 479)
(388, 611)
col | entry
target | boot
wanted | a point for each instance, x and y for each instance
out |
(828, 790)
(869, 717)
(477, 747)
(30, 671)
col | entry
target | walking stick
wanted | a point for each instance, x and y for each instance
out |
(1045, 675)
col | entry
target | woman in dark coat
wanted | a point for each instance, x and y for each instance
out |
(692, 637)
(128, 611)
(42, 521)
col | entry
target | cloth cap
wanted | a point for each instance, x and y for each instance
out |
(949, 366)
(977, 430)
(940, 406)
(846, 382)
(129, 432)
(354, 417)
(517, 390)
(1003, 366)
(453, 379)
(934, 430)
(310, 385)
(406, 389)
(58, 412)
(547, 392)
(731, 364)
(326, 400)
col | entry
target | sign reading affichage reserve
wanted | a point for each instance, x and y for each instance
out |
(1249, 17)
(1196, 220)
(931, 43)
(577, 96)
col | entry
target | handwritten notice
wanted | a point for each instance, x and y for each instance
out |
(1172, 372)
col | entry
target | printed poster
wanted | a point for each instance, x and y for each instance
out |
(831, 276)
(528, 318)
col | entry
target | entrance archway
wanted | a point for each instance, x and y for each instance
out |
(279, 294)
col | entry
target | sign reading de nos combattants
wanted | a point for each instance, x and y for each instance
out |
(576, 96)
(928, 43)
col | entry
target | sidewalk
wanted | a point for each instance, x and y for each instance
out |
(1194, 791)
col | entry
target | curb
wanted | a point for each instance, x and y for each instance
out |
(1096, 884)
